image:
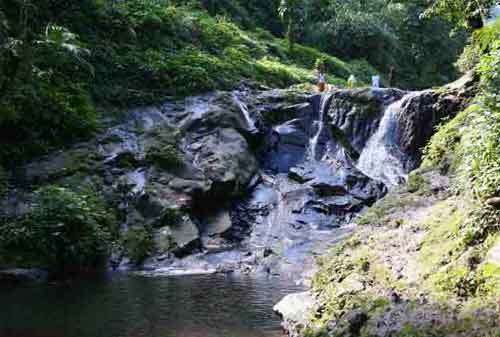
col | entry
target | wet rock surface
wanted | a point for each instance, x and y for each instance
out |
(248, 181)
(21, 276)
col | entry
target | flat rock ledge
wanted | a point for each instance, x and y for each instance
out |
(295, 310)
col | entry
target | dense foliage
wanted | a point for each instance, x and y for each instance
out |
(65, 230)
(406, 35)
(65, 62)
(138, 243)
(388, 35)
(464, 13)
(63, 59)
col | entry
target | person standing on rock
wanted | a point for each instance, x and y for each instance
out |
(391, 77)
(320, 66)
(321, 82)
(351, 82)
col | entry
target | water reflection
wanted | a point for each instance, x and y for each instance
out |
(125, 306)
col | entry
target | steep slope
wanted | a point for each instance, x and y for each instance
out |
(424, 260)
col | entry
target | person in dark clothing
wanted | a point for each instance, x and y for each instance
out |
(391, 78)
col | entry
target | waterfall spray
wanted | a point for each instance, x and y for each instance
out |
(323, 107)
(244, 110)
(381, 158)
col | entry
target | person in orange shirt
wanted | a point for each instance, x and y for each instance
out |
(321, 81)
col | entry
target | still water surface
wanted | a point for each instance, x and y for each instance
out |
(133, 306)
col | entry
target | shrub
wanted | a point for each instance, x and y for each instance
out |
(166, 156)
(415, 182)
(65, 231)
(138, 243)
(482, 221)
(443, 150)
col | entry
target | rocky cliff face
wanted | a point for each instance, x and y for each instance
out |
(248, 180)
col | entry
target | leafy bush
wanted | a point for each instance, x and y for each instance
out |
(138, 243)
(65, 231)
(489, 69)
(482, 221)
(468, 146)
(167, 157)
(482, 41)
(362, 70)
(443, 150)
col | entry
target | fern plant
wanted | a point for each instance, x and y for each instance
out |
(62, 39)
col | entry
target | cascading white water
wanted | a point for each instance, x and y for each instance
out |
(244, 109)
(276, 217)
(313, 142)
(381, 158)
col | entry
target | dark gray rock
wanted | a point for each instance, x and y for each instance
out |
(16, 276)
(181, 239)
(349, 326)
(357, 113)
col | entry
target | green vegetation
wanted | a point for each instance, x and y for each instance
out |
(379, 212)
(166, 157)
(162, 148)
(385, 33)
(438, 244)
(461, 13)
(64, 231)
(138, 244)
(468, 144)
(63, 63)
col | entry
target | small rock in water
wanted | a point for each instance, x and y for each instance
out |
(268, 252)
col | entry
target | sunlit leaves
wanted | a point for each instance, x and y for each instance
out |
(461, 12)
(61, 38)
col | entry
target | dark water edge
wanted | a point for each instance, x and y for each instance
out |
(121, 305)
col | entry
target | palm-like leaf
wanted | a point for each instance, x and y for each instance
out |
(63, 39)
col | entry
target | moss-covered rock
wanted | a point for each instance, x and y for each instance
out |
(409, 272)
(138, 243)
(181, 238)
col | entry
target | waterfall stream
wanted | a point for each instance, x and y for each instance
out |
(244, 110)
(381, 158)
(320, 124)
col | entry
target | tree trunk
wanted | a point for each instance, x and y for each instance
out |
(290, 33)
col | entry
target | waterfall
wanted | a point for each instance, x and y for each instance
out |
(244, 109)
(313, 142)
(381, 158)
(276, 216)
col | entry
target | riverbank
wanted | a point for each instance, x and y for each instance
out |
(407, 271)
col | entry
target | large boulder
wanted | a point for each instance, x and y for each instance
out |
(287, 145)
(81, 158)
(424, 111)
(295, 310)
(225, 159)
(357, 113)
(181, 238)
